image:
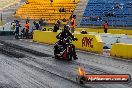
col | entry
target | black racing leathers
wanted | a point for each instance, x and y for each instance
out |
(63, 35)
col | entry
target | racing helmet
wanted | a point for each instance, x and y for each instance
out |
(67, 27)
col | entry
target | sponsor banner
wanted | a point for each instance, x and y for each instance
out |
(108, 78)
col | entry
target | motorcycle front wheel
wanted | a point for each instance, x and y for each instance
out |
(70, 54)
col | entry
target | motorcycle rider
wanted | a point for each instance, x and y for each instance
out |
(27, 27)
(18, 25)
(63, 35)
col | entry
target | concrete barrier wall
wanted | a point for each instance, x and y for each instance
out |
(89, 43)
(45, 37)
(121, 50)
(92, 43)
(6, 33)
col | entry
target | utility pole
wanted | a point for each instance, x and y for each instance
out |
(1, 19)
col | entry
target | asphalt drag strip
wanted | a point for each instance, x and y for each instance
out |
(63, 70)
(19, 74)
(11, 46)
(37, 53)
(10, 52)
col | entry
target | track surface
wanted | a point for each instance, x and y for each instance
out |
(33, 70)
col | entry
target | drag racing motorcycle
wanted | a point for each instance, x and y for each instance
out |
(23, 35)
(19, 34)
(65, 51)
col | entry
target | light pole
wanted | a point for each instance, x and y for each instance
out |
(1, 19)
(122, 8)
(130, 2)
